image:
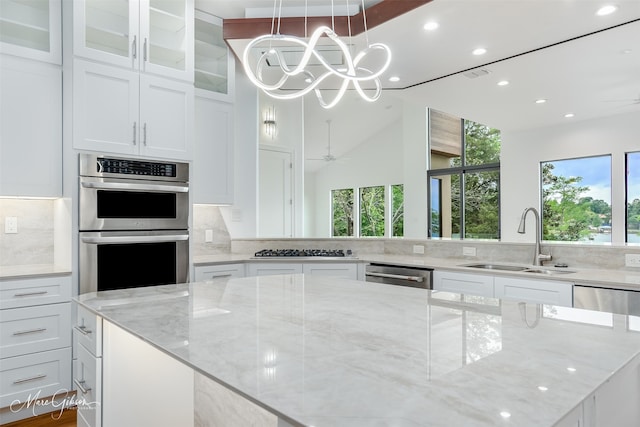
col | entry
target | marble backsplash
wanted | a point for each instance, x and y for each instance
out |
(208, 217)
(34, 241)
(574, 255)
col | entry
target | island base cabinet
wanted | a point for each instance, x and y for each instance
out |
(141, 385)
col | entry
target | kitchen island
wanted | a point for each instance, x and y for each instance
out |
(320, 351)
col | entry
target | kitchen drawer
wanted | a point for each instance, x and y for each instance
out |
(535, 291)
(271, 268)
(337, 269)
(16, 293)
(87, 381)
(471, 284)
(34, 375)
(88, 330)
(33, 329)
(209, 272)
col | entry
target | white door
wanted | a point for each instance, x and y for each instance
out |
(275, 183)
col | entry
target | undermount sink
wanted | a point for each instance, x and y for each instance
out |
(498, 267)
(524, 269)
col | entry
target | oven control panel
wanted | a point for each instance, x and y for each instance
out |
(135, 167)
(102, 166)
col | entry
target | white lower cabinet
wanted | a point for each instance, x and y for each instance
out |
(463, 283)
(342, 270)
(536, 291)
(208, 272)
(271, 268)
(35, 345)
(87, 379)
(543, 291)
(336, 269)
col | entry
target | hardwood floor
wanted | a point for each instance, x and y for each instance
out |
(67, 419)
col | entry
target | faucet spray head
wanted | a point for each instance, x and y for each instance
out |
(521, 227)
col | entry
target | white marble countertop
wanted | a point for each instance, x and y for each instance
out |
(323, 351)
(35, 270)
(615, 279)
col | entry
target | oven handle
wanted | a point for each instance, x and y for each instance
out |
(133, 187)
(135, 239)
(396, 276)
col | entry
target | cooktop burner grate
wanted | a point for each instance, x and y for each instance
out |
(264, 253)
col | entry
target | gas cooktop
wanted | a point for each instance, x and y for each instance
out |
(273, 253)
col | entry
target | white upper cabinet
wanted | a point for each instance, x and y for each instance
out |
(31, 29)
(214, 64)
(30, 128)
(153, 36)
(120, 111)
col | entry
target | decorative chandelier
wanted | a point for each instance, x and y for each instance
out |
(351, 72)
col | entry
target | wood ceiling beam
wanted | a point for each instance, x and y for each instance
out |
(249, 28)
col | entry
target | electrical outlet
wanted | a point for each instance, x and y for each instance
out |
(418, 249)
(11, 225)
(208, 236)
(468, 251)
(632, 260)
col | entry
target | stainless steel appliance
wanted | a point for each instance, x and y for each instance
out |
(130, 194)
(609, 300)
(415, 277)
(133, 222)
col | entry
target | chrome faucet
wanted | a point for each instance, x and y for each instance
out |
(538, 257)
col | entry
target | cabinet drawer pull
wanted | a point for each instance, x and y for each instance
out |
(134, 48)
(83, 330)
(30, 294)
(144, 50)
(34, 378)
(81, 386)
(134, 132)
(30, 331)
(144, 132)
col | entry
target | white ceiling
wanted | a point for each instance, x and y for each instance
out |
(544, 48)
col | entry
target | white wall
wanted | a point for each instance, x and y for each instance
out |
(369, 164)
(523, 151)
(241, 217)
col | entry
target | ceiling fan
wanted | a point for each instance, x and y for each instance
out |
(327, 157)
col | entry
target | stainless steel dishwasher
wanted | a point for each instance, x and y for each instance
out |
(415, 277)
(603, 299)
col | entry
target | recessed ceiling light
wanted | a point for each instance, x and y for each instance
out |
(626, 51)
(542, 388)
(394, 79)
(606, 10)
(503, 82)
(540, 101)
(479, 51)
(571, 369)
(505, 414)
(568, 116)
(431, 25)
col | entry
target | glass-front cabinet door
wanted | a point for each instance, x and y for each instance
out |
(31, 29)
(154, 36)
(214, 65)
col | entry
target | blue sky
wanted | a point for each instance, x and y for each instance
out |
(595, 173)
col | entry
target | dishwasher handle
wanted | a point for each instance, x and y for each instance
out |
(417, 279)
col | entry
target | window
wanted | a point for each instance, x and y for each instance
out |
(342, 211)
(633, 197)
(372, 211)
(397, 210)
(464, 179)
(576, 199)
(379, 208)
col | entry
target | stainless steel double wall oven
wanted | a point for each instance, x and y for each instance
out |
(133, 223)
